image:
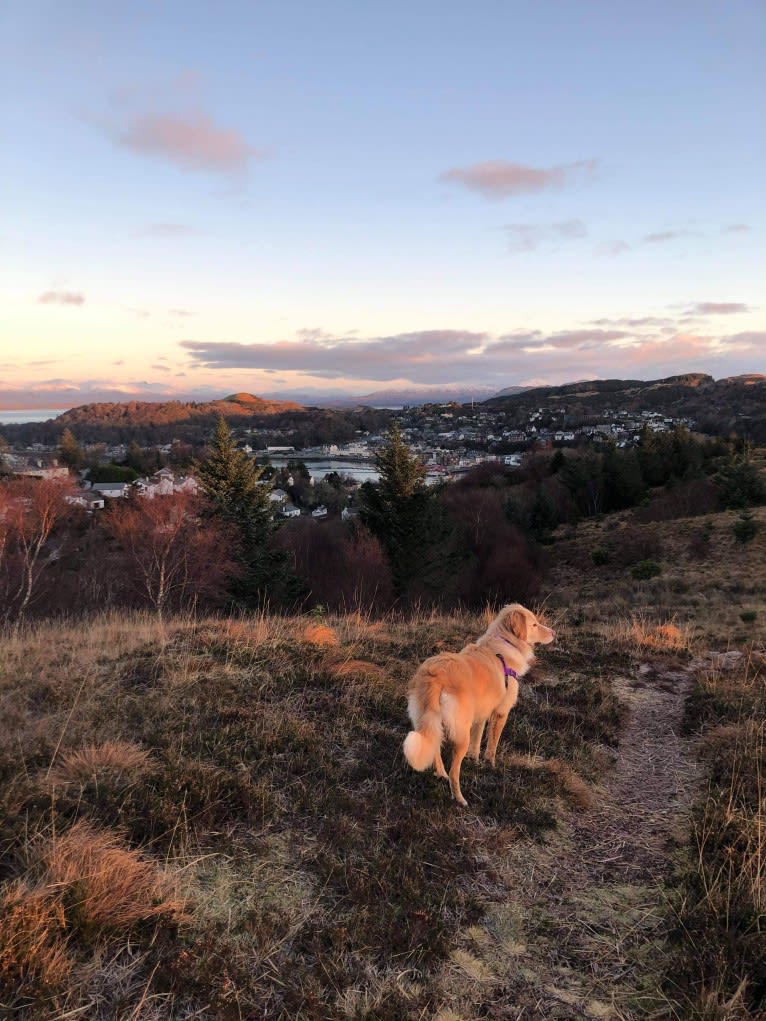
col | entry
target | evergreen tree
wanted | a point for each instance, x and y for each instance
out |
(70, 453)
(403, 513)
(232, 482)
(135, 458)
(623, 483)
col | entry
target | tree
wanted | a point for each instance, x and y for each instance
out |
(70, 453)
(233, 485)
(740, 485)
(402, 512)
(172, 559)
(30, 511)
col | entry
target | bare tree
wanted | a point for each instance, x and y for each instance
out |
(30, 512)
(172, 556)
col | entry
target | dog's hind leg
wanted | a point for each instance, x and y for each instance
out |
(439, 766)
(459, 748)
(477, 729)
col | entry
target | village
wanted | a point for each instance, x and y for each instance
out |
(321, 482)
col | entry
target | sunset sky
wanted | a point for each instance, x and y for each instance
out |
(331, 197)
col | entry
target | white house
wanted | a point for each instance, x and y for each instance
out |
(277, 496)
(290, 511)
(319, 512)
(86, 498)
(114, 490)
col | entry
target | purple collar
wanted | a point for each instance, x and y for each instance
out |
(508, 671)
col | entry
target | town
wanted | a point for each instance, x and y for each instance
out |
(321, 481)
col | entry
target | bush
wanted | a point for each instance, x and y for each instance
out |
(600, 556)
(645, 569)
(745, 528)
(748, 616)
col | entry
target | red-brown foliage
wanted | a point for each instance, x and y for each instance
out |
(342, 565)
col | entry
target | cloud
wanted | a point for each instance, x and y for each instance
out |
(736, 228)
(192, 142)
(160, 368)
(61, 298)
(637, 347)
(525, 237)
(661, 236)
(718, 308)
(423, 353)
(499, 179)
(181, 312)
(613, 248)
(635, 323)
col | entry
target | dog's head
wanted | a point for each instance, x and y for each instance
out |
(516, 621)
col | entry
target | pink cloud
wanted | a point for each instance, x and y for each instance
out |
(193, 142)
(499, 179)
(61, 298)
(719, 308)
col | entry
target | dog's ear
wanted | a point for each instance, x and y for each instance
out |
(516, 622)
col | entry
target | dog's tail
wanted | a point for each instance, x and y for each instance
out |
(422, 743)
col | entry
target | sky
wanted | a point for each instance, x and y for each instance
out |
(323, 197)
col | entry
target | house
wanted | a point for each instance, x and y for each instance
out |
(114, 490)
(277, 496)
(290, 511)
(86, 498)
(349, 512)
(319, 512)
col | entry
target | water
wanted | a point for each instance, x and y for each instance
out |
(359, 471)
(19, 416)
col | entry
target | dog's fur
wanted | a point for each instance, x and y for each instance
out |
(454, 694)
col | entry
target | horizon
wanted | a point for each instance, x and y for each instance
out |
(418, 395)
(335, 201)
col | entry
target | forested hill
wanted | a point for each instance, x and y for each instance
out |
(717, 406)
(150, 413)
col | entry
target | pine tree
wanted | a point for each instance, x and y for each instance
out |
(70, 453)
(232, 482)
(403, 513)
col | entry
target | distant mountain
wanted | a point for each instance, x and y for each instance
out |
(509, 391)
(154, 413)
(416, 395)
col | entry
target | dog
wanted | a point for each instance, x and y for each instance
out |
(453, 695)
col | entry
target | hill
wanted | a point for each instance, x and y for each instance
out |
(736, 403)
(154, 413)
(212, 818)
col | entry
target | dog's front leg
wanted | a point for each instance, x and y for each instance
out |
(496, 724)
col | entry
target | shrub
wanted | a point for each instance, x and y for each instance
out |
(748, 616)
(645, 569)
(745, 528)
(600, 556)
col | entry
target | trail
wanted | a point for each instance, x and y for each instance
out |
(581, 933)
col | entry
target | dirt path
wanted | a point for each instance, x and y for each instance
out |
(582, 930)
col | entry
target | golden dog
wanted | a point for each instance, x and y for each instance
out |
(454, 694)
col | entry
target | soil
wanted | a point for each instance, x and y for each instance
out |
(582, 932)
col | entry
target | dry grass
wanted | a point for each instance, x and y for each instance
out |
(107, 886)
(720, 907)
(117, 761)
(640, 632)
(324, 875)
(34, 952)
